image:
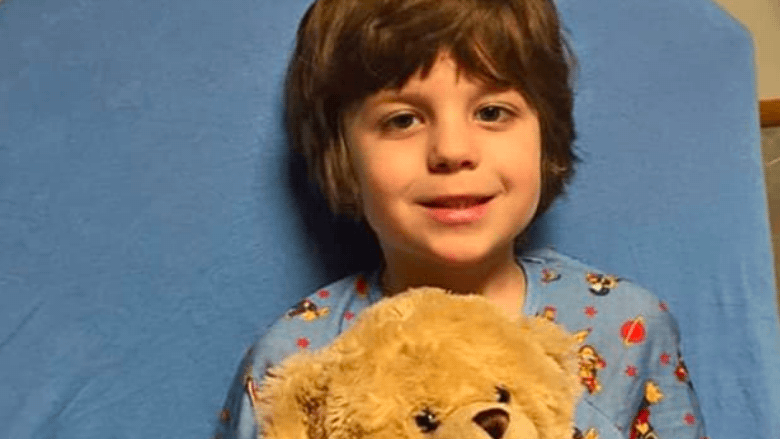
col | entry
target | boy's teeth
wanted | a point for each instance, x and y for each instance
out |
(457, 204)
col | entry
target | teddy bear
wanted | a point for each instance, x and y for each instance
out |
(423, 364)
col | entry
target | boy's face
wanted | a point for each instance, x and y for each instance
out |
(448, 167)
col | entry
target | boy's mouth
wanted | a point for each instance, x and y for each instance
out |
(457, 210)
(456, 201)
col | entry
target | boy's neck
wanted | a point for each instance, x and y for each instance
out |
(502, 281)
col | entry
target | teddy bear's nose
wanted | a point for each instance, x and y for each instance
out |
(493, 421)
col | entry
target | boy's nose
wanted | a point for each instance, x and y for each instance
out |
(452, 149)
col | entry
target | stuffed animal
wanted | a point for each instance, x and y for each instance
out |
(428, 364)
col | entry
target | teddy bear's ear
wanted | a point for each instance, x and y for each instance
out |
(291, 400)
(560, 347)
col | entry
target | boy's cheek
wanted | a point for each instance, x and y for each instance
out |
(388, 173)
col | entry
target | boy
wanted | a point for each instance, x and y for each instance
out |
(447, 126)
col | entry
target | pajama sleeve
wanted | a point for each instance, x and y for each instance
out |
(237, 419)
(635, 382)
(634, 379)
(664, 402)
(311, 324)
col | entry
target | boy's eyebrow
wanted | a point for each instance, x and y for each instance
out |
(395, 95)
(391, 96)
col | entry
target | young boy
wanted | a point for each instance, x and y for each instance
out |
(447, 126)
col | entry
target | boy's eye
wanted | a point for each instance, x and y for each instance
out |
(493, 113)
(400, 121)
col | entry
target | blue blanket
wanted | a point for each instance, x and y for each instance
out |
(152, 222)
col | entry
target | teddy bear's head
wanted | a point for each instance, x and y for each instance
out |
(426, 364)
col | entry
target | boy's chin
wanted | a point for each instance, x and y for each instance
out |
(464, 256)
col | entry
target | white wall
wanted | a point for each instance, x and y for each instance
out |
(762, 18)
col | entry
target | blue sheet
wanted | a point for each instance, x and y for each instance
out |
(152, 222)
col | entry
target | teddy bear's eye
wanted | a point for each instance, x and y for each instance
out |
(427, 421)
(503, 395)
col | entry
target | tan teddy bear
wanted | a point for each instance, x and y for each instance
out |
(428, 364)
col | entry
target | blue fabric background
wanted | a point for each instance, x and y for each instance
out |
(152, 222)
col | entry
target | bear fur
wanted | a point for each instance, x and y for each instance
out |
(428, 364)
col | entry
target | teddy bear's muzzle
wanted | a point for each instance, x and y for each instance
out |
(486, 421)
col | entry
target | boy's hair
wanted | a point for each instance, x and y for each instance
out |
(347, 50)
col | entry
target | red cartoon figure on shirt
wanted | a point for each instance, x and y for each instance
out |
(641, 427)
(590, 363)
(681, 371)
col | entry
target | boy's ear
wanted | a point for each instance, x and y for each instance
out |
(291, 401)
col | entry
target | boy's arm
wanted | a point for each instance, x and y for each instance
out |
(635, 381)
(237, 418)
(291, 333)
(667, 403)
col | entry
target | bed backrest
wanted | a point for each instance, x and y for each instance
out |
(152, 222)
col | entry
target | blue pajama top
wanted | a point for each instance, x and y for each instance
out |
(632, 371)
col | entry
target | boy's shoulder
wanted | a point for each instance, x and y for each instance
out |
(329, 300)
(548, 256)
(555, 278)
(628, 339)
(316, 319)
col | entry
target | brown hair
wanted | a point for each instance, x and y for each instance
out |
(347, 50)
